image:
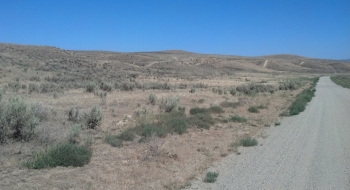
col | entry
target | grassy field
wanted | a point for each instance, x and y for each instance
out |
(342, 80)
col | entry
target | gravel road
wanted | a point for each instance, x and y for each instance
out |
(307, 151)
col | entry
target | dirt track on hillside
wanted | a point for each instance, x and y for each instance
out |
(308, 151)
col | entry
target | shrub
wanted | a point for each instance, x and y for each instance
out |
(239, 119)
(106, 86)
(41, 112)
(152, 99)
(216, 109)
(262, 106)
(126, 135)
(73, 116)
(343, 81)
(114, 141)
(169, 103)
(192, 90)
(201, 101)
(149, 130)
(94, 117)
(66, 154)
(176, 122)
(18, 119)
(233, 92)
(246, 142)
(300, 102)
(15, 86)
(227, 104)
(253, 109)
(127, 86)
(197, 110)
(33, 87)
(201, 120)
(211, 177)
(90, 87)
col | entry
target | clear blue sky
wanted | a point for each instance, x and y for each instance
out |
(312, 28)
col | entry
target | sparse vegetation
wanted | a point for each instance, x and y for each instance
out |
(342, 80)
(126, 135)
(169, 103)
(152, 99)
(227, 104)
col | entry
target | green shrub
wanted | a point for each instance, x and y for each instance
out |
(127, 135)
(169, 103)
(253, 109)
(211, 177)
(94, 117)
(233, 92)
(201, 120)
(197, 110)
(114, 141)
(152, 99)
(227, 104)
(300, 102)
(73, 116)
(216, 109)
(192, 90)
(149, 130)
(342, 80)
(177, 124)
(106, 86)
(90, 87)
(246, 142)
(66, 154)
(239, 119)
(33, 87)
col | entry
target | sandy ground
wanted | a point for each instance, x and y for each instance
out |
(308, 151)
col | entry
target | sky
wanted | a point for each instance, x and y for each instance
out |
(310, 28)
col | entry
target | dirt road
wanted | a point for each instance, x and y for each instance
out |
(308, 151)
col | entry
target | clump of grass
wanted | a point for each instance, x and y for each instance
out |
(114, 141)
(152, 99)
(227, 104)
(66, 154)
(211, 177)
(192, 90)
(246, 142)
(253, 109)
(127, 135)
(239, 119)
(201, 120)
(197, 110)
(216, 109)
(90, 87)
(277, 123)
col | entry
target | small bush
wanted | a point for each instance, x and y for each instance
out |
(192, 90)
(169, 103)
(211, 177)
(233, 92)
(114, 141)
(197, 110)
(66, 154)
(253, 109)
(216, 109)
(201, 101)
(106, 86)
(94, 117)
(33, 87)
(18, 119)
(73, 116)
(227, 104)
(127, 135)
(201, 120)
(177, 124)
(239, 119)
(249, 142)
(149, 130)
(152, 99)
(90, 87)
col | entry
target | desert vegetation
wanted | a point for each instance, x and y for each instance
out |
(107, 114)
(342, 80)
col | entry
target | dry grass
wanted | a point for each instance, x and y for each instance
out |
(158, 163)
